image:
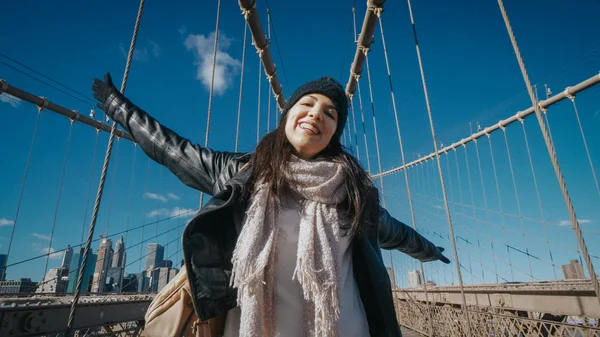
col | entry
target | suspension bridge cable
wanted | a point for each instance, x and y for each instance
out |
(587, 151)
(60, 185)
(485, 205)
(87, 198)
(553, 156)
(512, 174)
(362, 116)
(500, 202)
(287, 86)
(537, 194)
(473, 208)
(212, 84)
(112, 186)
(88, 101)
(239, 112)
(128, 210)
(268, 93)
(14, 225)
(343, 65)
(451, 229)
(354, 123)
(258, 105)
(460, 193)
(103, 176)
(145, 209)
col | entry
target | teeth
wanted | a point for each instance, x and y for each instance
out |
(307, 126)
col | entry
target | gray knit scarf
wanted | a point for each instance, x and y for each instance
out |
(321, 186)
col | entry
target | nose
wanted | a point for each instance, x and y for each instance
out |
(316, 112)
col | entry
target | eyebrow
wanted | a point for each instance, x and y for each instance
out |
(331, 106)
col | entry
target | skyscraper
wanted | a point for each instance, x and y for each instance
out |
(3, 259)
(76, 262)
(154, 256)
(105, 254)
(415, 279)
(66, 262)
(573, 270)
(118, 259)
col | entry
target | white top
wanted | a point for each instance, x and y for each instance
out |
(289, 299)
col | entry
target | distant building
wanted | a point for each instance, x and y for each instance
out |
(130, 283)
(167, 263)
(573, 270)
(113, 279)
(76, 262)
(155, 254)
(67, 257)
(415, 279)
(3, 260)
(54, 282)
(105, 254)
(430, 284)
(163, 278)
(119, 255)
(23, 285)
(172, 273)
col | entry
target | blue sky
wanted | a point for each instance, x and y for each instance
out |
(472, 76)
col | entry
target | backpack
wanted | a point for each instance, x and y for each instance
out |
(171, 313)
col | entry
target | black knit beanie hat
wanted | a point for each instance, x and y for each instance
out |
(329, 87)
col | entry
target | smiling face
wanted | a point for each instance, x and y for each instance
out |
(310, 124)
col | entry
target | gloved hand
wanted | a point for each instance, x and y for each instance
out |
(441, 256)
(103, 89)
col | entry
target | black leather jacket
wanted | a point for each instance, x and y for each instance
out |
(210, 237)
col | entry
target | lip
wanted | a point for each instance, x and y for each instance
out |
(314, 125)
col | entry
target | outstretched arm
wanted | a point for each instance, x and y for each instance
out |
(393, 234)
(194, 165)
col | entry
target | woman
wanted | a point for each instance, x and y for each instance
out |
(289, 244)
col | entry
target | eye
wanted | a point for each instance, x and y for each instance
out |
(331, 115)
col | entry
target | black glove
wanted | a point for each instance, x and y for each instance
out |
(103, 89)
(441, 256)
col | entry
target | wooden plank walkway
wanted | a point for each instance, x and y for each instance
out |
(409, 333)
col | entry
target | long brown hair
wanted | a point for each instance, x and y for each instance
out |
(273, 153)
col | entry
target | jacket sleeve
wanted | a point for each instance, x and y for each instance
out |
(194, 165)
(393, 234)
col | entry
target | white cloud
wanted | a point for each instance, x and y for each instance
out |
(53, 255)
(182, 212)
(41, 236)
(567, 223)
(226, 66)
(173, 196)
(155, 196)
(176, 212)
(6, 222)
(142, 53)
(12, 100)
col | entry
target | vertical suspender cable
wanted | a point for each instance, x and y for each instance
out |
(103, 177)
(239, 115)
(212, 84)
(258, 104)
(410, 201)
(268, 94)
(14, 226)
(128, 216)
(62, 179)
(87, 199)
(552, 153)
(437, 156)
